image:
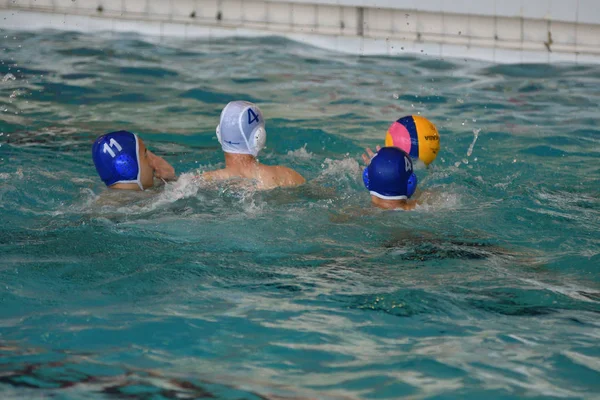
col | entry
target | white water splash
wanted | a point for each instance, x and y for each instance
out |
(475, 136)
(15, 94)
(300, 154)
(252, 207)
(187, 185)
(8, 77)
(340, 167)
(438, 199)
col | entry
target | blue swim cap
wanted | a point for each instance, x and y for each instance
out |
(241, 129)
(390, 175)
(116, 157)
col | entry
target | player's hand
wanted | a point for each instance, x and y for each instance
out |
(162, 169)
(368, 155)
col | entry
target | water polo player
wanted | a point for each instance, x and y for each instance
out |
(390, 179)
(242, 135)
(123, 162)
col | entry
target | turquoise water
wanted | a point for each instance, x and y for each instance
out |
(490, 289)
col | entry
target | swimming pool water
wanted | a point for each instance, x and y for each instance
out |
(490, 289)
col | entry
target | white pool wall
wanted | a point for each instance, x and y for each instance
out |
(505, 31)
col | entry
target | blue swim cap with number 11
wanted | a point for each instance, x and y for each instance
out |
(116, 157)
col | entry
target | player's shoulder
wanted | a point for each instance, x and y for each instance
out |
(288, 175)
(215, 175)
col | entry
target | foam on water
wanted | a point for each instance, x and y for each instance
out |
(300, 153)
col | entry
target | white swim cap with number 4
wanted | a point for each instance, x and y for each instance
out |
(241, 129)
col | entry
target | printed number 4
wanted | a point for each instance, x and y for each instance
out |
(112, 143)
(406, 164)
(252, 117)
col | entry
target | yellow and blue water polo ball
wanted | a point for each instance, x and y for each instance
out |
(417, 136)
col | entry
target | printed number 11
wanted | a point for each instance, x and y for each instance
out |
(112, 143)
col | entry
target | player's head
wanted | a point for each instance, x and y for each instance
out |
(241, 129)
(390, 175)
(120, 159)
